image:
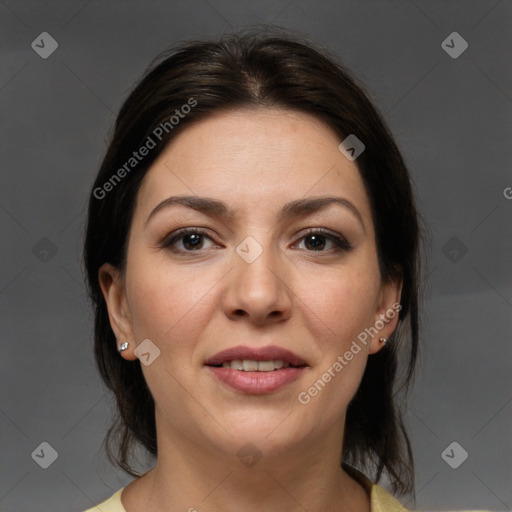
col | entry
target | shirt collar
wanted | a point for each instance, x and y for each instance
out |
(381, 500)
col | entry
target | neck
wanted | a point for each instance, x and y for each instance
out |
(193, 477)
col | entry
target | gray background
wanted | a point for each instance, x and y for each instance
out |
(452, 119)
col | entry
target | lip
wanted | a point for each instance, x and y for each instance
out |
(269, 353)
(257, 382)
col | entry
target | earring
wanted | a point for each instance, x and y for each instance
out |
(384, 340)
(123, 347)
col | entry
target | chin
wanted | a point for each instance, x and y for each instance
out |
(271, 432)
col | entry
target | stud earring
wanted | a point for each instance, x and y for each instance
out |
(384, 340)
(123, 347)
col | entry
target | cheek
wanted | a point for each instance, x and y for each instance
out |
(153, 302)
(340, 306)
(167, 306)
(337, 311)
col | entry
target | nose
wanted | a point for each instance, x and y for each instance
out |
(260, 290)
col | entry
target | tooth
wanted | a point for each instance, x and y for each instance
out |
(265, 366)
(237, 364)
(249, 365)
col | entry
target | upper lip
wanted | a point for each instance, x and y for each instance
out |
(269, 353)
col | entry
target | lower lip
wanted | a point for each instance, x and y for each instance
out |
(257, 382)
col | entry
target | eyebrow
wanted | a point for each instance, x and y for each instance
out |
(215, 208)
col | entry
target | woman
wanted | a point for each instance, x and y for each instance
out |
(252, 256)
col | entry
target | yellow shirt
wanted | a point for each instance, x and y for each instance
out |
(381, 500)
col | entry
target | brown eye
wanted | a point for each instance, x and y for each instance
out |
(316, 240)
(192, 239)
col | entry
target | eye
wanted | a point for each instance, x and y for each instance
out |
(316, 239)
(192, 239)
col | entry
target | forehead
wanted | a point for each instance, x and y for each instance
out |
(254, 160)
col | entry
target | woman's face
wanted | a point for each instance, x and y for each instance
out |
(254, 277)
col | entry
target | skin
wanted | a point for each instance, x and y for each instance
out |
(194, 304)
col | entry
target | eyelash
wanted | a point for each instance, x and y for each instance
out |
(340, 243)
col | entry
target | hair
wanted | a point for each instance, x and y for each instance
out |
(247, 70)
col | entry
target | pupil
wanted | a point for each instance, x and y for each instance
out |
(196, 241)
(317, 241)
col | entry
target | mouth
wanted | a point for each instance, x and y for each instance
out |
(251, 365)
(262, 359)
(256, 371)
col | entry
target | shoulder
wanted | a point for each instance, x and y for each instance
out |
(113, 504)
(382, 501)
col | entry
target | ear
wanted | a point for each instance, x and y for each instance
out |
(385, 320)
(112, 285)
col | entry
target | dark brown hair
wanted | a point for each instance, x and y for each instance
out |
(258, 70)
